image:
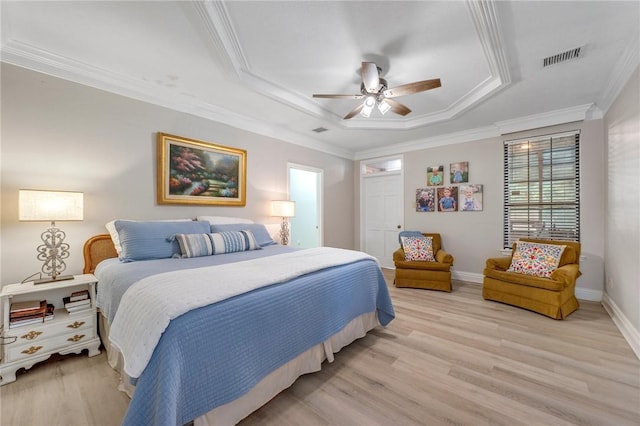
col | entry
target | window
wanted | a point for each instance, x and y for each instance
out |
(381, 166)
(542, 188)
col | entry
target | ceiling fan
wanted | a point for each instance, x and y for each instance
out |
(374, 91)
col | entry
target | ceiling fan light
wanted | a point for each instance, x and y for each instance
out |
(383, 107)
(367, 106)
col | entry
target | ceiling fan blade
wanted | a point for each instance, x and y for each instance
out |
(354, 112)
(338, 96)
(397, 107)
(370, 77)
(409, 88)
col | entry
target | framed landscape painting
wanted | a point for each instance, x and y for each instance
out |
(197, 172)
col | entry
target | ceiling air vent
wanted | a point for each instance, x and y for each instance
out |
(565, 56)
(320, 129)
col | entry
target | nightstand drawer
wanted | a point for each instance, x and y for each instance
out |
(47, 330)
(39, 346)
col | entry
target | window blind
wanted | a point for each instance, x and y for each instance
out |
(542, 188)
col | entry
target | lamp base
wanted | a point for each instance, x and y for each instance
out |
(51, 279)
(284, 232)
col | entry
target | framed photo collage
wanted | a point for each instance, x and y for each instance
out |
(456, 195)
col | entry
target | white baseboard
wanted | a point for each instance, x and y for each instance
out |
(581, 293)
(470, 277)
(588, 294)
(631, 335)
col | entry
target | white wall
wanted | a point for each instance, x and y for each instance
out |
(61, 135)
(472, 237)
(622, 261)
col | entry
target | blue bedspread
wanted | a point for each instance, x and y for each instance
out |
(215, 354)
(115, 277)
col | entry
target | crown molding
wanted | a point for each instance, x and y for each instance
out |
(26, 56)
(550, 118)
(215, 18)
(431, 142)
(497, 129)
(479, 93)
(625, 66)
(23, 55)
(202, 15)
(485, 19)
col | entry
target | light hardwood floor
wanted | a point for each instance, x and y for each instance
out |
(447, 358)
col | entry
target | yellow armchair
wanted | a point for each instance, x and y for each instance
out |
(553, 296)
(428, 275)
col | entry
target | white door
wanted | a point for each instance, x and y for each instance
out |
(382, 216)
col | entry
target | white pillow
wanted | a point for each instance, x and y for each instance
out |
(274, 230)
(223, 220)
(111, 228)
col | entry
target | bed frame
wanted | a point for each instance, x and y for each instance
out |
(101, 247)
(97, 249)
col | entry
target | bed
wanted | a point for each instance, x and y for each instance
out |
(211, 338)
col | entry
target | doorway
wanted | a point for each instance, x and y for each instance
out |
(381, 201)
(305, 188)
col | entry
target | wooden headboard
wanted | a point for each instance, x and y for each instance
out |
(96, 249)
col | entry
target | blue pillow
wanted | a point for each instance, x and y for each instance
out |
(408, 234)
(259, 231)
(153, 240)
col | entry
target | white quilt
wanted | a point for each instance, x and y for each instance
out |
(149, 305)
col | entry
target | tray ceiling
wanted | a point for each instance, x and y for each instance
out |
(255, 65)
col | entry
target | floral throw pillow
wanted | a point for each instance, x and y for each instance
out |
(418, 248)
(535, 259)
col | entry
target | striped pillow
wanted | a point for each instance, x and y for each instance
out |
(196, 245)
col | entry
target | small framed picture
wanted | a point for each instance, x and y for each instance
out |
(470, 198)
(425, 199)
(435, 175)
(448, 199)
(459, 172)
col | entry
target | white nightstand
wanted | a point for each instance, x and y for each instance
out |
(65, 333)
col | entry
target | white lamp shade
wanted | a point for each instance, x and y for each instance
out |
(50, 206)
(283, 208)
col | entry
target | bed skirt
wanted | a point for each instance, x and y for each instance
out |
(278, 380)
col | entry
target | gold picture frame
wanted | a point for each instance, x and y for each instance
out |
(201, 173)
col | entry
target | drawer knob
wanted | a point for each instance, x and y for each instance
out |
(32, 350)
(31, 335)
(75, 338)
(76, 324)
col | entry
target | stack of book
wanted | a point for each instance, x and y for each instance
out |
(78, 301)
(29, 312)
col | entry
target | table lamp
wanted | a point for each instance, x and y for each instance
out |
(51, 206)
(284, 209)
